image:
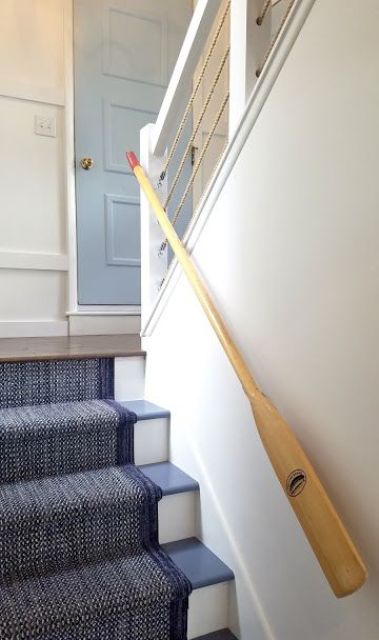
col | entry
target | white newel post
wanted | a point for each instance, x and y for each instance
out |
(248, 44)
(153, 264)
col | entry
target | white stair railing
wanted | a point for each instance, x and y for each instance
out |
(226, 47)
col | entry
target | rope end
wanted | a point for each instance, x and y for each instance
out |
(162, 248)
(132, 159)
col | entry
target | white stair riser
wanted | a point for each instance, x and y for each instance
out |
(178, 516)
(129, 378)
(208, 610)
(151, 441)
(97, 324)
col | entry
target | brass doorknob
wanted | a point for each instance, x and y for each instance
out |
(87, 163)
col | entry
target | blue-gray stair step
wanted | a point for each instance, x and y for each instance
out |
(145, 410)
(202, 567)
(225, 634)
(169, 478)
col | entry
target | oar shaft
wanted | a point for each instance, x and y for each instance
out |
(196, 282)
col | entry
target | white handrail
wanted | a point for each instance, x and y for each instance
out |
(192, 48)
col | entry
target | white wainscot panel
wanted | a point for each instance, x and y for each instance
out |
(31, 196)
(28, 295)
(32, 50)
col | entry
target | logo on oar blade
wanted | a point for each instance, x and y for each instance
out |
(296, 482)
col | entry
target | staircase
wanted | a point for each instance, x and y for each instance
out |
(72, 565)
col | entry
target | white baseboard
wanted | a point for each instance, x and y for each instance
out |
(107, 324)
(106, 310)
(33, 329)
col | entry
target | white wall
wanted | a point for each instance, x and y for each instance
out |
(33, 260)
(290, 254)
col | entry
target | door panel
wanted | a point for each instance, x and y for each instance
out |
(124, 55)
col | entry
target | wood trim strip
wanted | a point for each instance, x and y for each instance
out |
(69, 347)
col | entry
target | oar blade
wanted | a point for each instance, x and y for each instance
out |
(331, 543)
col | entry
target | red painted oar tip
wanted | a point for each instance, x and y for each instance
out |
(132, 159)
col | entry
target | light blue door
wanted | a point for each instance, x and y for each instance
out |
(125, 51)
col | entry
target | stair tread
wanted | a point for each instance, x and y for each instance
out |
(224, 634)
(68, 510)
(201, 566)
(47, 605)
(169, 478)
(69, 347)
(61, 438)
(145, 410)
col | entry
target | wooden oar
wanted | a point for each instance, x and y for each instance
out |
(334, 549)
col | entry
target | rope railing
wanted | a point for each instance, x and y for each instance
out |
(283, 21)
(197, 126)
(267, 5)
(205, 111)
(174, 184)
(197, 165)
(264, 11)
(195, 90)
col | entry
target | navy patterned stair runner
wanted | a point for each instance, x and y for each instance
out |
(79, 552)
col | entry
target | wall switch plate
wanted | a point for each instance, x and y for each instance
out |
(45, 126)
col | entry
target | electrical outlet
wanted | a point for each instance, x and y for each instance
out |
(45, 126)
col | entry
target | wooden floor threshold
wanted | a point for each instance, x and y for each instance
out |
(70, 347)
